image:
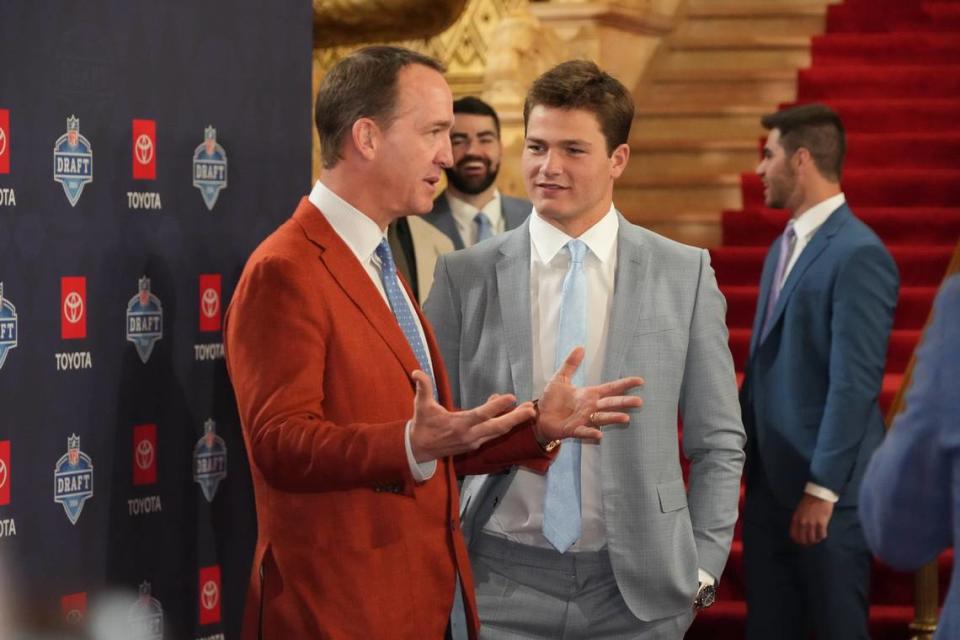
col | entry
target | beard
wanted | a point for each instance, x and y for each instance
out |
(471, 185)
(779, 189)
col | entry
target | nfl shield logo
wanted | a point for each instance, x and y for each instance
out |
(210, 168)
(145, 616)
(144, 320)
(73, 479)
(72, 161)
(209, 460)
(8, 326)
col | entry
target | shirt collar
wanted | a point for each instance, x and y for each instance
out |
(356, 229)
(464, 213)
(601, 238)
(811, 219)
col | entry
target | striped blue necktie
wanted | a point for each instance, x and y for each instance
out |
(561, 504)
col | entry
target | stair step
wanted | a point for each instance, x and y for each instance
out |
(697, 228)
(735, 52)
(903, 226)
(718, 87)
(641, 196)
(919, 266)
(838, 49)
(678, 121)
(881, 187)
(896, 114)
(870, 16)
(750, 18)
(865, 82)
(680, 157)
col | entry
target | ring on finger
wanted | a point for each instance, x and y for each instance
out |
(593, 418)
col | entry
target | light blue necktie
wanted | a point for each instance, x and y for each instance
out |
(561, 505)
(484, 228)
(401, 309)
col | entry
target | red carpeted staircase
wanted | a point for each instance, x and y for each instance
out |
(891, 68)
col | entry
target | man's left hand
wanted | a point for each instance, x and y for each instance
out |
(810, 520)
(567, 411)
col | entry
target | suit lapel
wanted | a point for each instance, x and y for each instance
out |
(820, 241)
(628, 297)
(513, 212)
(513, 288)
(354, 281)
(442, 218)
(766, 278)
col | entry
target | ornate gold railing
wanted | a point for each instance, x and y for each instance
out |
(926, 579)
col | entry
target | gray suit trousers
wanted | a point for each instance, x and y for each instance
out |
(529, 592)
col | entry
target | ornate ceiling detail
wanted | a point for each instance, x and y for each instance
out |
(346, 22)
(463, 47)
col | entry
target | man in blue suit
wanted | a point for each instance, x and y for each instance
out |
(911, 483)
(809, 397)
(471, 208)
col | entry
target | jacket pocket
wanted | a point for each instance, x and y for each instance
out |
(673, 495)
(655, 324)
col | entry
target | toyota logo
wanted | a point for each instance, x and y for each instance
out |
(74, 616)
(144, 454)
(209, 595)
(3, 474)
(73, 307)
(3, 141)
(210, 302)
(144, 149)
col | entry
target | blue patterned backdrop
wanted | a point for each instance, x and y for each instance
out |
(145, 149)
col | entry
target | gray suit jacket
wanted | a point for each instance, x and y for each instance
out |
(667, 325)
(515, 211)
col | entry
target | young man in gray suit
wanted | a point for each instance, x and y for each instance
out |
(471, 208)
(609, 543)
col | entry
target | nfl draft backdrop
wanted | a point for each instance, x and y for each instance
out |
(145, 149)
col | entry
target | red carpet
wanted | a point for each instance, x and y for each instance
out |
(891, 68)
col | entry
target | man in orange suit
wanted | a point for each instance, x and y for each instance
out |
(353, 444)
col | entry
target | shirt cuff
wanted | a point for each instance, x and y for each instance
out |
(421, 471)
(706, 578)
(823, 493)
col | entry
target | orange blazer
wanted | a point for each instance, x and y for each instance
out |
(349, 545)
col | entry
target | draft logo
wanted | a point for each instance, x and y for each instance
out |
(144, 320)
(73, 479)
(209, 460)
(210, 168)
(73, 161)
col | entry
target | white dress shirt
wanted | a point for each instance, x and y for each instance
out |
(519, 516)
(463, 216)
(805, 226)
(362, 235)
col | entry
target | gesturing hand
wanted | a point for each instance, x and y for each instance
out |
(567, 411)
(436, 433)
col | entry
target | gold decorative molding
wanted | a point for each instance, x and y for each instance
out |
(464, 47)
(347, 22)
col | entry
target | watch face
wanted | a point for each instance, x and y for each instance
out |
(707, 596)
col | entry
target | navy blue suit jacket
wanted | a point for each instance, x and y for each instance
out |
(910, 498)
(514, 210)
(811, 385)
